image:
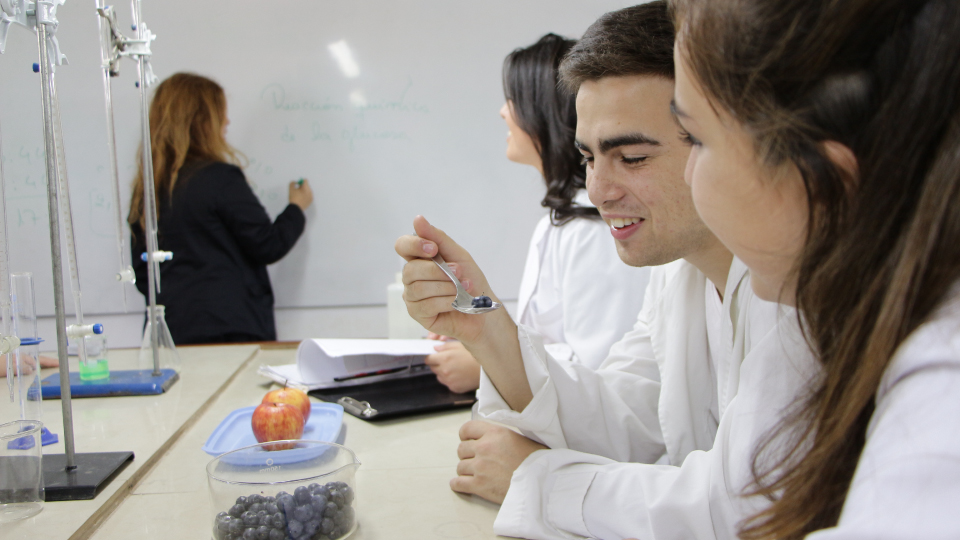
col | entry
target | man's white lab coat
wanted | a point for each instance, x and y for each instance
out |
(576, 292)
(649, 402)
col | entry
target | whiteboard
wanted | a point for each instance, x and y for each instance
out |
(416, 131)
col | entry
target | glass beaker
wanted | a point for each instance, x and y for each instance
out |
(169, 358)
(96, 367)
(21, 470)
(303, 492)
(25, 360)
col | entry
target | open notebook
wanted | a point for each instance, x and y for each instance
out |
(333, 363)
(372, 378)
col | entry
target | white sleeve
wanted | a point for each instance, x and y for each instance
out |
(622, 421)
(907, 483)
(562, 494)
(601, 295)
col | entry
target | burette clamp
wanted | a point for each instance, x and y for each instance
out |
(82, 330)
(110, 51)
(127, 275)
(8, 344)
(11, 11)
(29, 14)
(122, 46)
(158, 256)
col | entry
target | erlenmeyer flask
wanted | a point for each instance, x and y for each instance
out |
(169, 358)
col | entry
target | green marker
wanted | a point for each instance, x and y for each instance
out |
(300, 183)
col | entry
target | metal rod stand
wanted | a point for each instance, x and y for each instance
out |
(68, 476)
(53, 209)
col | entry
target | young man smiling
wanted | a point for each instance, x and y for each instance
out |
(664, 391)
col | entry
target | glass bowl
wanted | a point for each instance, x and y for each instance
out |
(306, 492)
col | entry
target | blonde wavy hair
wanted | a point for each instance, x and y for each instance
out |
(187, 117)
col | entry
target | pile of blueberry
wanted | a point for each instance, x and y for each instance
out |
(482, 301)
(313, 512)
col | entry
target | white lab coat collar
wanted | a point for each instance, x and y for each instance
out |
(531, 270)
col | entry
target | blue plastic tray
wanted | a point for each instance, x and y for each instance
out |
(234, 432)
(119, 383)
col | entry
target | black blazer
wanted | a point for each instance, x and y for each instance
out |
(216, 288)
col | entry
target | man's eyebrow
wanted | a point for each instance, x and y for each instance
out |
(581, 146)
(626, 140)
(676, 111)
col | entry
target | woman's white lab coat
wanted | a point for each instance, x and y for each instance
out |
(651, 401)
(907, 483)
(576, 292)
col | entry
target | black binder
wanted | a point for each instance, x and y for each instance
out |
(395, 397)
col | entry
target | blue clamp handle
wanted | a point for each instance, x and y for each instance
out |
(166, 256)
(98, 328)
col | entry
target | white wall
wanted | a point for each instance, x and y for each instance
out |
(431, 70)
(417, 131)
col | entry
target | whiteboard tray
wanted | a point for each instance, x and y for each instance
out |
(234, 431)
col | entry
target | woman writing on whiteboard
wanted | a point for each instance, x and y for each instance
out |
(216, 288)
(575, 290)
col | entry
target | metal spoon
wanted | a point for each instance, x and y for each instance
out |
(464, 301)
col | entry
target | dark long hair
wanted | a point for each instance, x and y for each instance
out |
(549, 115)
(883, 248)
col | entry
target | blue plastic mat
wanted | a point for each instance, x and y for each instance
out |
(235, 432)
(26, 443)
(46, 437)
(119, 383)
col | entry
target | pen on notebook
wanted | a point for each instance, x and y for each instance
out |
(370, 374)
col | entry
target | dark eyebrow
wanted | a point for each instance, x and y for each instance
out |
(581, 146)
(676, 111)
(626, 140)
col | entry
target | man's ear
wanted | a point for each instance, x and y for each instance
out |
(844, 159)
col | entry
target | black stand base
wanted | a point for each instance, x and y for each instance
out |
(93, 473)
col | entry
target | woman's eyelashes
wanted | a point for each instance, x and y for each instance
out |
(689, 139)
(586, 159)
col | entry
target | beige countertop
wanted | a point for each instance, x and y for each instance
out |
(402, 484)
(146, 425)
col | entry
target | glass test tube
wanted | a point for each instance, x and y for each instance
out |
(27, 356)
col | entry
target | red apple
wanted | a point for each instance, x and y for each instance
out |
(290, 396)
(277, 422)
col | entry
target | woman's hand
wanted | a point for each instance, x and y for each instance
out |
(49, 361)
(455, 367)
(29, 364)
(301, 194)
